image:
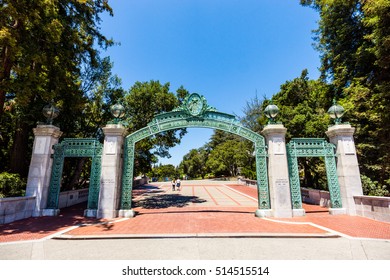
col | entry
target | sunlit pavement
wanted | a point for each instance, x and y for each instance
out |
(198, 209)
(203, 220)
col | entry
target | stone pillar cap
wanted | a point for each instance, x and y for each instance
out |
(115, 129)
(340, 129)
(47, 130)
(274, 129)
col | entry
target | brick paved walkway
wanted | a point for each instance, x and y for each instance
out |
(195, 210)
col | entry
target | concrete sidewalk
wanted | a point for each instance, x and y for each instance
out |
(198, 249)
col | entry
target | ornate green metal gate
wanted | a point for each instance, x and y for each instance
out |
(194, 112)
(70, 147)
(312, 147)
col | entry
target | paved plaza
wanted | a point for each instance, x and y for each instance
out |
(202, 220)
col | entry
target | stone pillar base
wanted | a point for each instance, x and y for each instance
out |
(282, 213)
(37, 213)
(263, 213)
(337, 211)
(127, 213)
(106, 214)
(50, 212)
(90, 213)
(299, 212)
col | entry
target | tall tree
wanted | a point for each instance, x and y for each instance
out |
(227, 157)
(254, 117)
(194, 163)
(102, 89)
(303, 104)
(340, 41)
(43, 46)
(143, 102)
(220, 137)
(353, 39)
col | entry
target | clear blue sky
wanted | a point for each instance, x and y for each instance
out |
(226, 50)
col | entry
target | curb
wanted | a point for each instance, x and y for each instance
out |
(196, 235)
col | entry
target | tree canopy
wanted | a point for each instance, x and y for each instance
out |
(45, 49)
(50, 52)
(143, 101)
(353, 40)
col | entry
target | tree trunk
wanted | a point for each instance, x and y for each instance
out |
(308, 180)
(2, 101)
(76, 174)
(5, 74)
(19, 162)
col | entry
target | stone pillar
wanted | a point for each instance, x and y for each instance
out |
(279, 184)
(38, 180)
(347, 164)
(111, 175)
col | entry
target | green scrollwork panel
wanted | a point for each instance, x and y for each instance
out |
(56, 175)
(94, 184)
(333, 182)
(296, 197)
(194, 112)
(128, 174)
(262, 178)
(312, 147)
(70, 147)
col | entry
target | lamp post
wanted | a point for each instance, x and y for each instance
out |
(271, 111)
(336, 112)
(50, 112)
(118, 111)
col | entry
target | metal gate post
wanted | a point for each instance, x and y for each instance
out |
(127, 180)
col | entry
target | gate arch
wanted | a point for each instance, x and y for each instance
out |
(195, 112)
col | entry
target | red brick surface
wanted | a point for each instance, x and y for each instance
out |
(37, 228)
(193, 221)
(188, 219)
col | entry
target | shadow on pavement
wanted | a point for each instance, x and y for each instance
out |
(166, 200)
(196, 211)
(70, 216)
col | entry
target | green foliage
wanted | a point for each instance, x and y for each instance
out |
(163, 171)
(194, 163)
(373, 188)
(11, 185)
(46, 47)
(303, 104)
(248, 172)
(340, 40)
(227, 157)
(143, 102)
(313, 173)
(224, 155)
(353, 40)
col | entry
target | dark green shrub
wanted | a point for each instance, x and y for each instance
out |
(11, 185)
(373, 188)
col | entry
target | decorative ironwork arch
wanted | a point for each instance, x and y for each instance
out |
(70, 147)
(194, 112)
(312, 147)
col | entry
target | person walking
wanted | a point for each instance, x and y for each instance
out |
(178, 184)
(173, 184)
